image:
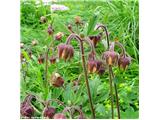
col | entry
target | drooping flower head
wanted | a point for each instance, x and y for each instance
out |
(123, 62)
(43, 19)
(65, 52)
(50, 30)
(59, 36)
(49, 112)
(93, 65)
(95, 39)
(26, 109)
(52, 59)
(41, 59)
(111, 57)
(77, 20)
(56, 80)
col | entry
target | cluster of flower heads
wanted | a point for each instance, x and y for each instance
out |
(66, 52)
(42, 57)
(26, 109)
(95, 66)
(95, 39)
(112, 58)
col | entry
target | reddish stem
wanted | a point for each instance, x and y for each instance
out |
(117, 99)
(111, 91)
(74, 36)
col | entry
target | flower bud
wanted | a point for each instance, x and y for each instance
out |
(59, 36)
(41, 59)
(65, 51)
(77, 20)
(111, 57)
(27, 110)
(52, 60)
(92, 66)
(100, 67)
(70, 27)
(49, 112)
(50, 30)
(95, 66)
(123, 62)
(34, 42)
(59, 116)
(56, 80)
(95, 39)
(101, 70)
(81, 35)
(43, 19)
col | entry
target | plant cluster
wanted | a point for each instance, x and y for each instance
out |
(74, 73)
(109, 59)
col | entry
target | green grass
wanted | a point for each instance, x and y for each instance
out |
(122, 20)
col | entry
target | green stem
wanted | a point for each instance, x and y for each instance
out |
(111, 91)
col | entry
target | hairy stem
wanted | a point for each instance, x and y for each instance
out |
(106, 32)
(111, 92)
(116, 92)
(86, 77)
(84, 68)
(121, 46)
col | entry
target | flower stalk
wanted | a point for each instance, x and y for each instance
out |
(106, 32)
(116, 93)
(111, 91)
(74, 36)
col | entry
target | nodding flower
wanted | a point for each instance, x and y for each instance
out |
(123, 62)
(52, 59)
(49, 112)
(26, 109)
(95, 39)
(50, 30)
(34, 42)
(59, 36)
(41, 59)
(94, 66)
(65, 52)
(69, 27)
(78, 20)
(56, 80)
(111, 57)
(43, 19)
